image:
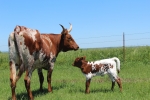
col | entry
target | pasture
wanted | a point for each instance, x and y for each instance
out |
(69, 83)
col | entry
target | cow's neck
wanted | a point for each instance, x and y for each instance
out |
(56, 43)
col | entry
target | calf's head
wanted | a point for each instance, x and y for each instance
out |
(78, 62)
(67, 42)
(81, 63)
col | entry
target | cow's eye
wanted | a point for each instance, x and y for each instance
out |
(69, 39)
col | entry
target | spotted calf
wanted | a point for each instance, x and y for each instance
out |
(100, 67)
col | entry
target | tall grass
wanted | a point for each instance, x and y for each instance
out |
(3, 60)
(132, 54)
(69, 83)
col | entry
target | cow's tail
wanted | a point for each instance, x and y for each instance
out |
(118, 63)
(13, 48)
(13, 42)
(12, 45)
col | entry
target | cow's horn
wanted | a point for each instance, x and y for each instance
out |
(70, 27)
(62, 27)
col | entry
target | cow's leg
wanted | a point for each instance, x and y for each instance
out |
(87, 85)
(118, 80)
(21, 70)
(41, 78)
(13, 79)
(49, 75)
(50, 70)
(27, 84)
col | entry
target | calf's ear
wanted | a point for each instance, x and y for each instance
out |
(83, 57)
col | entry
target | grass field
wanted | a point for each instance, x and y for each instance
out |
(69, 83)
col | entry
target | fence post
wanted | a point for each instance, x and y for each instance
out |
(123, 47)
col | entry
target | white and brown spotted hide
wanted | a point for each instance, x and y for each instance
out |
(30, 50)
(99, 67)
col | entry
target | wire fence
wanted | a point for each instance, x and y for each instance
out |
(134, 39)
(113, 35)
(122, 39)
(115, 40)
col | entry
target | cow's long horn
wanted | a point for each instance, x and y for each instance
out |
(70, 28)
(62, 27)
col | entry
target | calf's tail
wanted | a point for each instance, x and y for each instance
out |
(118, 63)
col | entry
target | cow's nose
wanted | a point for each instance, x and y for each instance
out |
(77, 47)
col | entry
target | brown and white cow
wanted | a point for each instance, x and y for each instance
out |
(99, 67)
(30, 50)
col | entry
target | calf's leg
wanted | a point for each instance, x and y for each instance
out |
(114, 79)
(87, 85)
(118, 80)
(113, 84)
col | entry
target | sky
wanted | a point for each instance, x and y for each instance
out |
(96, 23)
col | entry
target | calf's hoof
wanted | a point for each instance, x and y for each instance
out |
(50, 90)
(87, 92)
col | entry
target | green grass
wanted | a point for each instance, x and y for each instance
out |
(3, 60)
(69, 83)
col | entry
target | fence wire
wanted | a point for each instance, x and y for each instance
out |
(108, 41)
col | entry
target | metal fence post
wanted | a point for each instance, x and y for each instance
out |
(123, 47)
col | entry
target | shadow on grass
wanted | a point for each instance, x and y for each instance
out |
(24, 96)
(36, 93)
(91, 90)
(101, 90)
(97, 90)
